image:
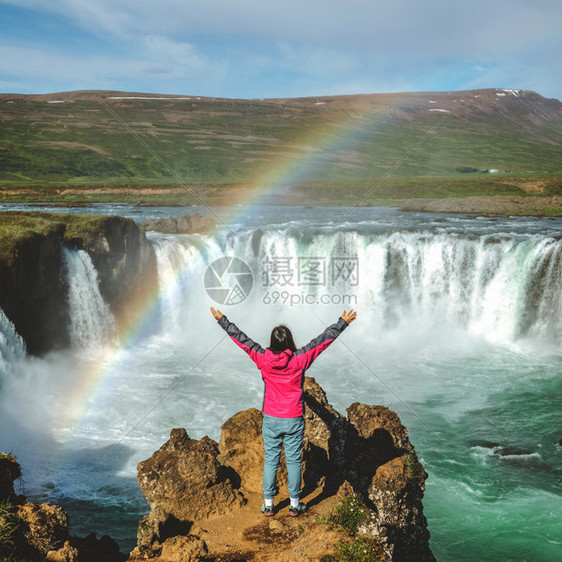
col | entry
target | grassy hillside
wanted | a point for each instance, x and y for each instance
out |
(107, 145)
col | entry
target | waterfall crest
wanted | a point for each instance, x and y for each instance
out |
(501, 287)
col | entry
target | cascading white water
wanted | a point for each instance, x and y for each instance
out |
(502, 288)
(12, 347)
(91, 321)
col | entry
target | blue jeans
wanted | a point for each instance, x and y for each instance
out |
(275, 431)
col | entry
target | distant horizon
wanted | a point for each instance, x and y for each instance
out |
(195, 95)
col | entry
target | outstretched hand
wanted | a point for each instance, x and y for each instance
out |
(350, 316)
(216, 313)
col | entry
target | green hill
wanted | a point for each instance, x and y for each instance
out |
(328, 148)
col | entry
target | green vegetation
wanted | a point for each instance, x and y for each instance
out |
(348, 516)
(362, 549)
(16, 228)
(415, 472)
(10, 522)
(343, 150)
(7, 457)
(10, 526)
(466, 170)
(367, 191)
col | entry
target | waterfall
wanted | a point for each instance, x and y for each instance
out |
(91, 321)
(501, 287)
(12, 347)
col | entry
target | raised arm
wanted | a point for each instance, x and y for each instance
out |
(317, 345)
(253, 349)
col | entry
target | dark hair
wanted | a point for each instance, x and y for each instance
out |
(281, 339)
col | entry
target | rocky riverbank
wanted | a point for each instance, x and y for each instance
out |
(363, 484)
(32, 532)
(186, 224)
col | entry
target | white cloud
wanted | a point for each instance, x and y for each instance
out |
(316, 61)
(159, 47)
(36, 65)
(389, 26)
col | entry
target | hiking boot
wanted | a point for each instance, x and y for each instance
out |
(296, 511)
(267, 510)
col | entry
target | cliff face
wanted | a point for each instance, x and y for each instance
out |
(33, 290)
(195, 486)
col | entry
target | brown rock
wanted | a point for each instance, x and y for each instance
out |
(182, 482)
(144, 552)
(67, 553)
(324, 438)
(184, 549)
(368, 455)
(158, 525)
(374, 437)
(373, 421)
(241, 448)
(46, 526)
(396, 492)
(241, 443)
(10, 471)
(316, 542)
(92, 549)
(186, 224)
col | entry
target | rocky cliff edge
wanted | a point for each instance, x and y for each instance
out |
(205, 496)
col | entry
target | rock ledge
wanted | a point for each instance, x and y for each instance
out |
(191, 485)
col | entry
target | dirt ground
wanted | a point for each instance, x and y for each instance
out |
(246, 534)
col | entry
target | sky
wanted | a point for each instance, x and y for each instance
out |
(280, 48)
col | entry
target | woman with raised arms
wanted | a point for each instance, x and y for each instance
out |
(282, 368)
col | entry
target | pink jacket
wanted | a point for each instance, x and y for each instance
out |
(283, 373)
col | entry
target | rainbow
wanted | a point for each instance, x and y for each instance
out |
(106, 363)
